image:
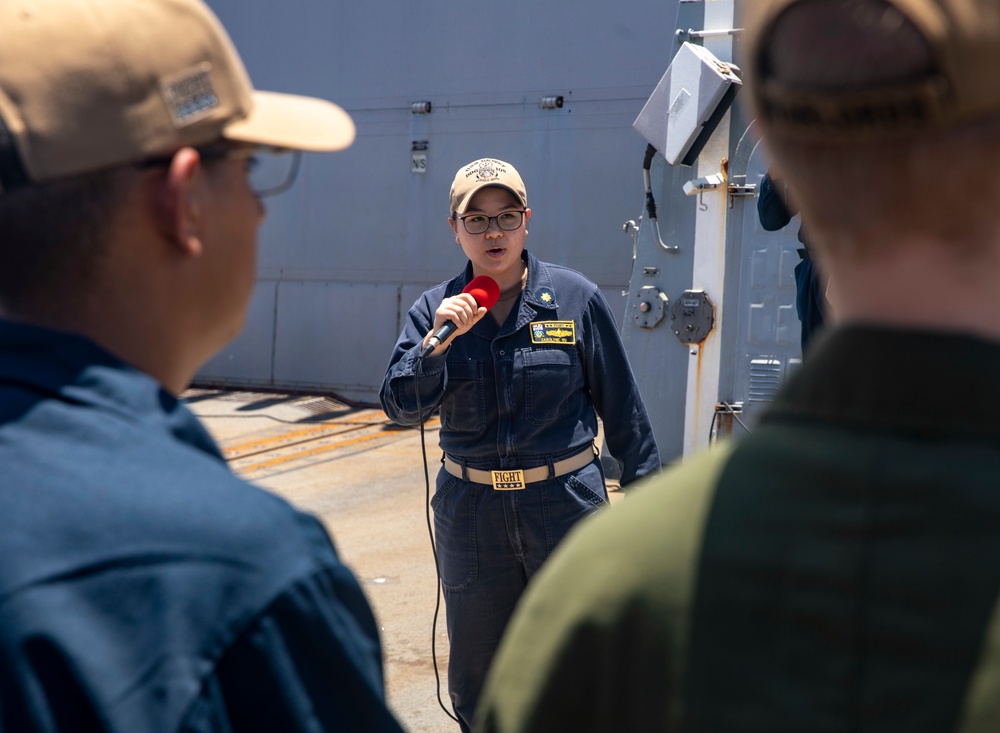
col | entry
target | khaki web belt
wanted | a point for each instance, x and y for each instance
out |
(516, 478)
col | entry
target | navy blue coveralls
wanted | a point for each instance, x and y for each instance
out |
(143, 587)
(519, 395)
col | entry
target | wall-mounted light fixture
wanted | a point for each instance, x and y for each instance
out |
(708, 183)
(553, 102)
(420, 108)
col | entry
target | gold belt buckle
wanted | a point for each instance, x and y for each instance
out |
(508, 480)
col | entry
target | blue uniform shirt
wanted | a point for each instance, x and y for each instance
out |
(521, 394)
(145, 588)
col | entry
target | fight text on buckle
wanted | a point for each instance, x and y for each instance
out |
(508, 480)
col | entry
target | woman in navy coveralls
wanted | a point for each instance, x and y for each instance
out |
(518, 389)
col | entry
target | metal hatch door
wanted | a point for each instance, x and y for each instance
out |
(765, 347)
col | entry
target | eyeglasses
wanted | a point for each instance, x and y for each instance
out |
(270, 171)
(507, 220)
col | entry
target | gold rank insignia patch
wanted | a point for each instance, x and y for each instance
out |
(553, 332)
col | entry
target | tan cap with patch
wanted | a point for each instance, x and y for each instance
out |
(91, 84)
(964, 41)
(480, 174)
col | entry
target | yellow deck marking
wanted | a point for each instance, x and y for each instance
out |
(276, 439)
(375, 418)
(306, 453)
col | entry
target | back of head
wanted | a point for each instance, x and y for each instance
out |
(862, 102)
(856, 70)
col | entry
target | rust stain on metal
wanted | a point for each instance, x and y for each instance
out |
(696, 426)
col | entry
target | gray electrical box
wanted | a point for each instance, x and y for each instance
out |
(692, 317)
(686, 106)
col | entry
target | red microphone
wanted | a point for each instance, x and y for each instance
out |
(485, 292)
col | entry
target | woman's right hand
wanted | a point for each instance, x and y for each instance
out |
(462, 310)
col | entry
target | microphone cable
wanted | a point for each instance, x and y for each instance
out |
(430, 531)
(485, 291)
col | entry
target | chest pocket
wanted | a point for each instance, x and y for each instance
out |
(463, 407)
(553, 384)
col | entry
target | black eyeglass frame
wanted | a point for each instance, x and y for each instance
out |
(219, 152)
(490, 219)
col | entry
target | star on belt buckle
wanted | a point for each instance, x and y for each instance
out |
(508, 480)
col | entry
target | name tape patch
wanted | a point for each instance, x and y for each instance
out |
(553, 332)
(190, 95)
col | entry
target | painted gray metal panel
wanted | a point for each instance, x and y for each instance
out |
(387, 224)
(335, 334)
(247, 359)
(362, 216)
(767, 343)
(763, 329)
(659, 360)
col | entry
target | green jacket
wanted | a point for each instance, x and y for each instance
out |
(835, 571)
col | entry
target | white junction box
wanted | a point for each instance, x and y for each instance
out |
(687, 104)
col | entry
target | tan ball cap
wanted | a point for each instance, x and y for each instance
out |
(480, 174)
(964, 38)
(91, 84)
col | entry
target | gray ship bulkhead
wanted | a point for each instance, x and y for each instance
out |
(553, 88)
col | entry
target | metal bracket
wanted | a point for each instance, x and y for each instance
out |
(632, 229)
(700, 185)
(725, 414)
(707, 183)
(683, 35)
(649, 307)
(740, 189)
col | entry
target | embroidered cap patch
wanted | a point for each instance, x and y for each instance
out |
(553, 332)
(190, 96)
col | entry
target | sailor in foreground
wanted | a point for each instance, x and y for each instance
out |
(833, 571)
(520, 388)
(143, 587)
